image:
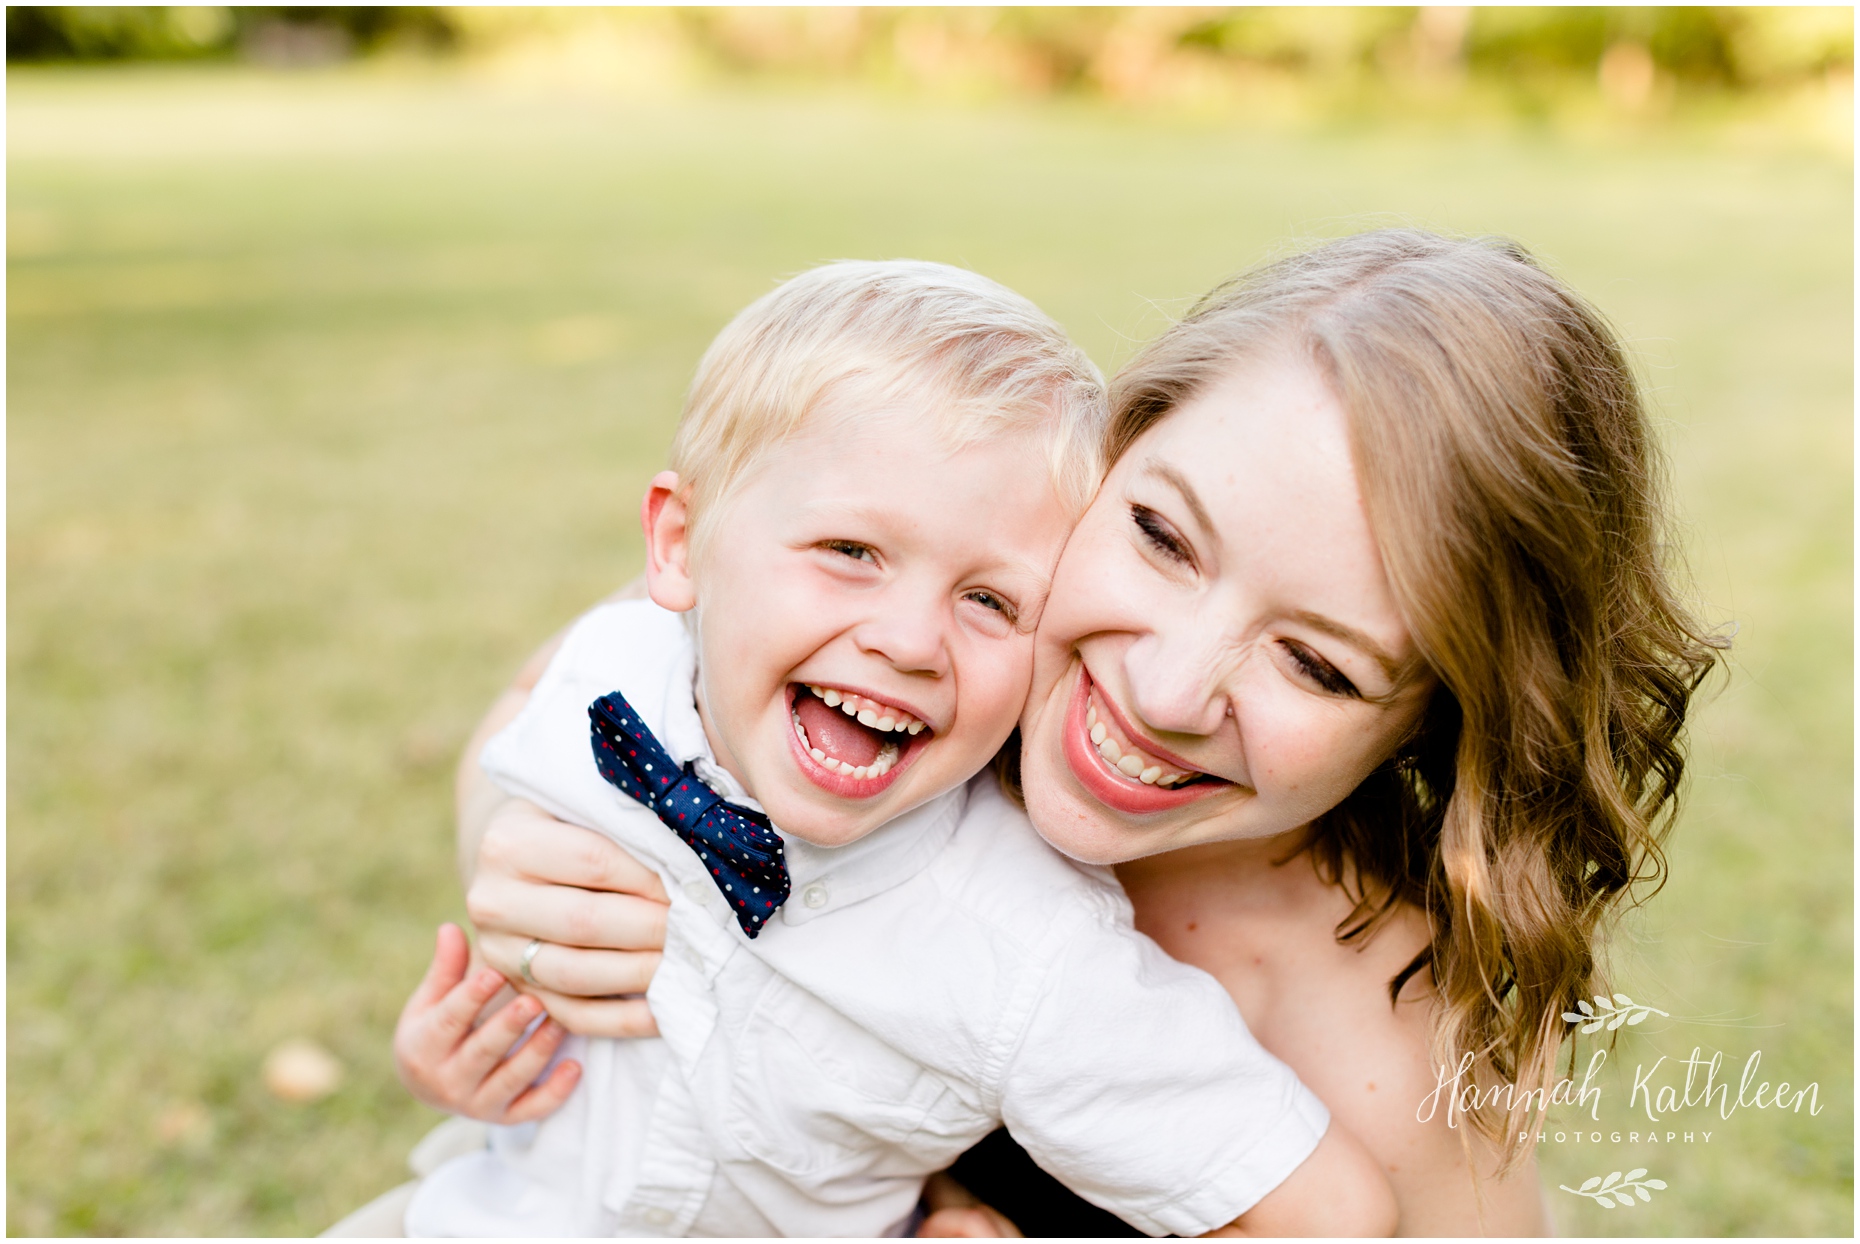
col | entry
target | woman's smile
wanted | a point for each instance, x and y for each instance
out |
(1103, 753)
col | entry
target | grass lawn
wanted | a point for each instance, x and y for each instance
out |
(331, 395)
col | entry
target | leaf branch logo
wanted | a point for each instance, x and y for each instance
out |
(1623, 1010)
(1616, 1190)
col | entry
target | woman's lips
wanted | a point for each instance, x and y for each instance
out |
(1110, 786)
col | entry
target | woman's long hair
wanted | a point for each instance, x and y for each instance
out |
(1514, 490)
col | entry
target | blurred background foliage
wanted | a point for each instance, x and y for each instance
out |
(340, 343)
(1524, 57)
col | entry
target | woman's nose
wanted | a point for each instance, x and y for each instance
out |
(1178, 688)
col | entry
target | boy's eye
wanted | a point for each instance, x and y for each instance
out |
(851, 548)
(1160, 535)
(1320, 671)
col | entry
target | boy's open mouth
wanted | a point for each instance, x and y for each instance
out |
(855, 743)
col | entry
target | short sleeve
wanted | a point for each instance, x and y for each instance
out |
(1138, 1086)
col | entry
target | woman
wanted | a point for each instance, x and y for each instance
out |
(1378, 562)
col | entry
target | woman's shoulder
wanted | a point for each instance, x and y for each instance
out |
(1369, 1056)
(1323, 1006)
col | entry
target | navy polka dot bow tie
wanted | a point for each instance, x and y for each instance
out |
(739, 847)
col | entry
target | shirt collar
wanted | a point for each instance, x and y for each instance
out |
(824, 879)
(683, 734)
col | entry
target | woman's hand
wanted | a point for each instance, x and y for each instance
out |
(598, 913)
(446, 1062)
(955, 1214)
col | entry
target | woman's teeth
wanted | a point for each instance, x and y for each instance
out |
(1130, 761)
(868, 712)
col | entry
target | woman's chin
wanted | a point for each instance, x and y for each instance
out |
(1069, 826)
(1074, 823)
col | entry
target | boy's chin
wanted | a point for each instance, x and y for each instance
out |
(813, 816)
(818, 817)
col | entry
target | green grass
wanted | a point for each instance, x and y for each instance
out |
(331, 395)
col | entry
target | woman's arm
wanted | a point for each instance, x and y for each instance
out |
(477, 797)
(599, 913)
(1337, 1191)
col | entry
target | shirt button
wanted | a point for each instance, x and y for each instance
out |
(695, 959)
(698, 891)
(657, 1217)
(815, 895)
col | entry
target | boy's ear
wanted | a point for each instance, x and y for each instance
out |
(667, 521)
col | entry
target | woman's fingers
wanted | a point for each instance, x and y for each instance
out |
(564, 914)
(965, 1224)
(524, 841)
(600, 1017)
(956, 1213)
(571, 969)
(547, 1097)
(597, 973)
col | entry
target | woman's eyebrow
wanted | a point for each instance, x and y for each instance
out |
(1192, 499)
(1398, 671)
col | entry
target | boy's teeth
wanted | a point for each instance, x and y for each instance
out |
(881, 764)
(1130, 761)
(869, 713)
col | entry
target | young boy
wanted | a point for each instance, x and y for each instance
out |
(870, 961)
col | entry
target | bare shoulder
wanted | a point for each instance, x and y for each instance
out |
(1369, 1058)
(1324, 1008)
(1384, 1086)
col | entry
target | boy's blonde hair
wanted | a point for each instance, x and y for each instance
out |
(857, 337)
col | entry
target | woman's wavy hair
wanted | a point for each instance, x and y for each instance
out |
(1515, 491)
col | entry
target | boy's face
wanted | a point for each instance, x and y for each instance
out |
(860, 568)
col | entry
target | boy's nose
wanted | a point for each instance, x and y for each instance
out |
(912, 641)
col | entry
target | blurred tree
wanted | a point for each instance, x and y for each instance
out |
(1533, 51)
(197, 32)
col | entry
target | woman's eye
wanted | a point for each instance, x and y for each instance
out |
(851, 548)
(1320, 671)
(988, 600)
(1161, 535)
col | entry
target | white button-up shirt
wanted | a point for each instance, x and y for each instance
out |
(942, 975)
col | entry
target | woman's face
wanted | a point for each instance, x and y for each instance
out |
(1221, 612)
